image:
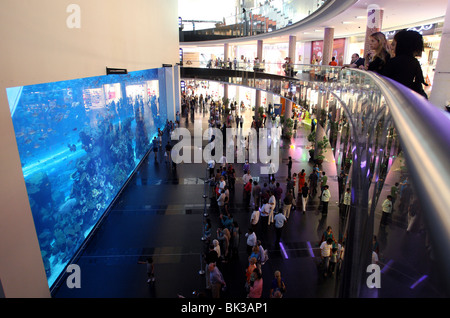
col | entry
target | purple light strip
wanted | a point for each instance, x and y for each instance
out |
(386, 266)
(284, 251)
(310, 249)
(421, 279)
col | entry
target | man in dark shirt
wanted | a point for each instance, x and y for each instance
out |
(356, 61)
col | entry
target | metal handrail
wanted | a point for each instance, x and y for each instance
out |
(424, 131)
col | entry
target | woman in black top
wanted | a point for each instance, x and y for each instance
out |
(404, 67)
(378, 55)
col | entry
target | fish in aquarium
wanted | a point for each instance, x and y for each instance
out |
(79, 150)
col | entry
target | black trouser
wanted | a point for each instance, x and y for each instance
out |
(324, 207)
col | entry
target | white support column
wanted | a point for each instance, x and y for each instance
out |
(440, 94)
(328, 40)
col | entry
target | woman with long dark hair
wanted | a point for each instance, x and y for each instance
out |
(404, 67)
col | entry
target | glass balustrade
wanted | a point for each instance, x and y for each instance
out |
(268, 17)
(370, 144)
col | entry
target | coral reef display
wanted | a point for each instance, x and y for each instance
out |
(79, 141)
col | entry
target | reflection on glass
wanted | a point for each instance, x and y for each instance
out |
(79, 141)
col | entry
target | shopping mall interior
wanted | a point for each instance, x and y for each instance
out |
(119, 120)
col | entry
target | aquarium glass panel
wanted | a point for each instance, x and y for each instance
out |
(79, 141)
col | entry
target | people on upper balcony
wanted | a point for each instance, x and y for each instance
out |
(404, 66)
(378, 55)
(333, 61)
(356, 61)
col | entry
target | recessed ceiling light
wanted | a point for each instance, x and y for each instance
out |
(361, 17)
(318, 30)
(347, 22)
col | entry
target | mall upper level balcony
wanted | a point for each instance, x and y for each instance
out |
(267, 17)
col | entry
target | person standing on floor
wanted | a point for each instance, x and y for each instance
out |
(313, 183)
(254, 219)
(305, 193)
(324, 182)
(278, 192)
(386, 208)
(210, 257)
(301, 179)
(248, 192)
(325, 253)
(256, 194)
(216, 280)
(289, 164)
(278, 286)
(325, 199)
(272, 203)
(150, 270)
(394, 193)
(256, 285)
(346, 203)
(280, 220)
(235, 239)
(287, 204)
(251, 240)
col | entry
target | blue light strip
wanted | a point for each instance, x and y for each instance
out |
(284, 251)
(310, 249)
(386, 266)
(421, 279)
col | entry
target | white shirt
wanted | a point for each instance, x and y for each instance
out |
(265, 210)
(347, 198)
(255, 217)
(272, 202)
(246, 178)
(374, 258)
(325, 249)
(279, 220)
(326, 195)
(251, 239)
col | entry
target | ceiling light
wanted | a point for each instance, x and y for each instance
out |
(347, 22)
(361, 17)
(318, 30)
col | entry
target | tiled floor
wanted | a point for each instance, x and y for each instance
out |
(161, 213)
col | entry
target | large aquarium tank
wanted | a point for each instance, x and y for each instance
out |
(79, 141)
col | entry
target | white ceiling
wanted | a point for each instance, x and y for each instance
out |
(397, 14)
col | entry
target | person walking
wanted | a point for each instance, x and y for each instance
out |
(287, 204)
(304, 196)
(325, 198)
(386, 208)
(347, 201)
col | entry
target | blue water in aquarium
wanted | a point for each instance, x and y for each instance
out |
(79, 141)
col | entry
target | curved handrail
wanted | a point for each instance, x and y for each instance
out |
(265, 18)
(424, 135)
(424, 132)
